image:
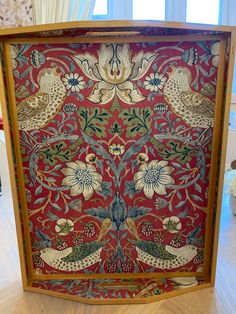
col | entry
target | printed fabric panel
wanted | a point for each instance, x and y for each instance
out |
(116, 147)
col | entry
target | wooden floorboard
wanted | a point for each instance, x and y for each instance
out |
(218, 300)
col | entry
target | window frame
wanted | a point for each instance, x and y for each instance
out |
(174, 11)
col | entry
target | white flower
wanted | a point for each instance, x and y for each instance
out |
(64, 226)
(215, 51)
(153, 177)
(114, 69)
(82, 179)
(172, 224)
(74, 82)
(116, 149)
(155, 82)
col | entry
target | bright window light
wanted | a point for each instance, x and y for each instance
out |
(149, 10)
(203, 11)
(100, 7)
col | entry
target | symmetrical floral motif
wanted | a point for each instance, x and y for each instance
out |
(153, 178)
(114, 70)
(82, 179)
(116, 177)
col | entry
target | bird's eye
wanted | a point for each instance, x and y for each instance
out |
(179, 71)
(48, 71)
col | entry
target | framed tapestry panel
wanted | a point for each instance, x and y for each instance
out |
(114, 140)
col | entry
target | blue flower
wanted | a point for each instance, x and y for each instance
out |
(74, 82)
(155, 82)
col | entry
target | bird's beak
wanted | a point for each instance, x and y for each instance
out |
(173, 69)
(54, 69)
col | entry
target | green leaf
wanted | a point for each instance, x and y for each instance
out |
(176, 151)
(38, 190)
(106, 189)
(99, 212)
(138, 120)
(93, 120)
(198, 187)
(56, 206)
(116, 128)
(135, 212)
(196, 197)
(130, 189)
(40, 200)
(60, 151)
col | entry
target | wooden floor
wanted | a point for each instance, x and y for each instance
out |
(221, 299)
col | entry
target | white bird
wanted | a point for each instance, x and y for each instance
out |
(73, 258)
(164, 256)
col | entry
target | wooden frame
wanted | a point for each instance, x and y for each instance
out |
(219, 95)
(219, 129)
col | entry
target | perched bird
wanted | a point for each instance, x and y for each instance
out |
(74, 258)
(37, 110)
(163, 256)
(194, 108)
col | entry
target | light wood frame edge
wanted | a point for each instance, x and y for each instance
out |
(16, 144)
(113, 39)
(228, 96)
(165, 295)
(219, 103)
(114, 24)
(118, 275)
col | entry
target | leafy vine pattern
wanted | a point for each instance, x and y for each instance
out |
(114, 170)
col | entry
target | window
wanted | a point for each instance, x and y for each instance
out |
(149, 10)
(101, 9)
(192, 11)
(203, 11)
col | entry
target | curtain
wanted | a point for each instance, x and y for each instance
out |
(48, 11)
(15, 13)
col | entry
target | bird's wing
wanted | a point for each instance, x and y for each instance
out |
(32, 106)
(198, 103)
(83, 250)
(155, 249)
